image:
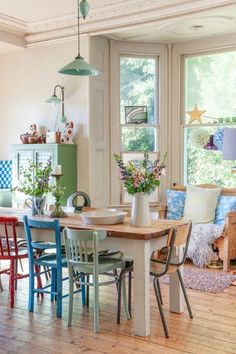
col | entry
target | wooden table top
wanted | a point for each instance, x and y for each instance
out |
(157, 229)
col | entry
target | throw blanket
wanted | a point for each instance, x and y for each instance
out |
(200, 246)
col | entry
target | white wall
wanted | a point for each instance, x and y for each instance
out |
(27, 79)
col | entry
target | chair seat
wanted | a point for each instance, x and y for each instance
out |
(106, 264)
(158, 267)
(50, 260)
(43, 245)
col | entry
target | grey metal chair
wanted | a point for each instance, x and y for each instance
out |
(159, 267)
(178, 236)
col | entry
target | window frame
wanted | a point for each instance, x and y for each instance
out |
(118, 49)
(183, 123)
(178, 51)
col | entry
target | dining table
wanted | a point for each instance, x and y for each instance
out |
(136, 242)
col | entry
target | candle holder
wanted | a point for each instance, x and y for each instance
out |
(58, 191)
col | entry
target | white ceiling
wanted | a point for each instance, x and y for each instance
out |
(164, 21)
(181, 28)
(31, 10)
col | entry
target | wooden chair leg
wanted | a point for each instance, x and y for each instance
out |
(160, 307)
(125, 299)
(122, 285)
(82, 287)
(87, 292)
(1, 288)
(119, 296)
(96, 305)
(53, 284)
(59, 292)
(12, 282)
(130, 292)
(71, 295)
(185, 293)
(15, 271)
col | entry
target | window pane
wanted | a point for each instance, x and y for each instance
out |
(137, 85)
(210, 82)
(138, 139)
(206, 166)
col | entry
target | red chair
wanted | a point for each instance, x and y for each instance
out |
(9, 251)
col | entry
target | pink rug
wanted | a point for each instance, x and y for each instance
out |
(204, 280)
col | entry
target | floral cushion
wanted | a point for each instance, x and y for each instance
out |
(225, 204)
(175, 204)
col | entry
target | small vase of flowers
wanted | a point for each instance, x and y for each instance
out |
(140, 178)
(35, 182)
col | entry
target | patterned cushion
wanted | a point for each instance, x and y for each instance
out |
(175, 204)
(225, 204)
(5, 174)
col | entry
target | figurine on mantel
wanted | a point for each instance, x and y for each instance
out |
(68, 133)
(33, 129)
(32, 137)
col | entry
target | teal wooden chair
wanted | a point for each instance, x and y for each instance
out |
(83, 260)
(54, 261)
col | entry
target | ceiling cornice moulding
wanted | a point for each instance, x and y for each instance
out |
(12, 25)
(104, 18)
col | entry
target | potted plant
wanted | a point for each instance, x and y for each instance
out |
(140, 178)
(35, 182)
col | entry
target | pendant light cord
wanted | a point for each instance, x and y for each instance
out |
(78, 56)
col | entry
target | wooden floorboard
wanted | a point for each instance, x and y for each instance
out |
(212, 331)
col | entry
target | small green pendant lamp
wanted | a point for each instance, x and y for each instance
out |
(78, 66)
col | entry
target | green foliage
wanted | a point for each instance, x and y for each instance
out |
(141, 176)
(137, 88)
(34, 179)
(206, 166)
(57, 191)
(138, 139)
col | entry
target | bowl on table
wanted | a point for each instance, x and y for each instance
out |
(103, 217)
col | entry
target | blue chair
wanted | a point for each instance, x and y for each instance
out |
(55, 262)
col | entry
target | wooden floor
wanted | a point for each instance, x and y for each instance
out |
(213, 329)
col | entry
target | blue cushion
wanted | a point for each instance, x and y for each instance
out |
(225, 204)
(175, 204)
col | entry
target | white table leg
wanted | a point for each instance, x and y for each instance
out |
(142, 288)
(176, 294)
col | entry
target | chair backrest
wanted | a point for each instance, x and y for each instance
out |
(72, 200)
(179, 236)
(78, 248)
(53, 225)
(8, 239)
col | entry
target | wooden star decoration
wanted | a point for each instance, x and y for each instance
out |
(195, 114)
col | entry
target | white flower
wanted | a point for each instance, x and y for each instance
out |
(199, 137)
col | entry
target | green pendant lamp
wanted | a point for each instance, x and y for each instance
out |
(78, 66)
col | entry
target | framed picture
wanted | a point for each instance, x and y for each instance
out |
(136, 114)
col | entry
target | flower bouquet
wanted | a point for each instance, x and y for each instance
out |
(35, 182)
(140, 178)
